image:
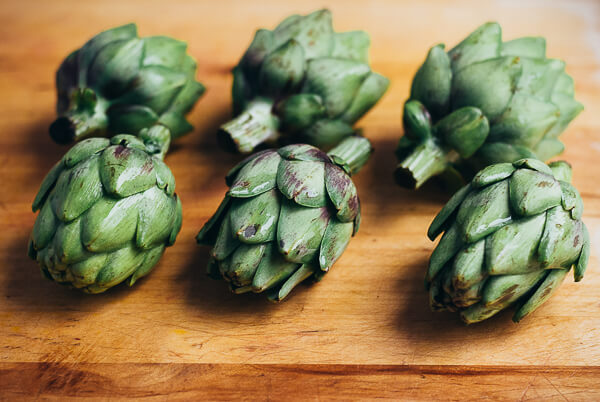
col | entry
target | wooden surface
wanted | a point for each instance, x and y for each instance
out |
(365, 330)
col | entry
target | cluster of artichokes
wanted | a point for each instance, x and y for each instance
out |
(487, 110)
(108, 208)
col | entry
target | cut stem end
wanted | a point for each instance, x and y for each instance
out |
(254, 126)
(352, 153)
(86, 117)
(426, 160)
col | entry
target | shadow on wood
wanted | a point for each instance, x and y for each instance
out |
(212, 297)
(203, 169)
(27, 287)
(377, 184)
(40, 143)
(416, 318)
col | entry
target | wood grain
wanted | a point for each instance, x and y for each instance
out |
(265, 382)
(365, 330)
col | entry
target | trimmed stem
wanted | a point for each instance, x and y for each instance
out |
(352, 153)
(157, 140)
(254, 126)
(426, 160)
(86, 117)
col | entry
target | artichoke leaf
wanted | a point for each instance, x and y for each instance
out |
(300, 231)
(303, 182)
(254, 220)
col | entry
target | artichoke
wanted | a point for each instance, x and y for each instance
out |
(120, 83)
(510, 237)
(483, 102)
(288, 215)
(301, 81)
(108, 209)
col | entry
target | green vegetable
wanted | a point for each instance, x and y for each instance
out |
(485, 101)
(108, 209)
(301, 82)
(510, 237)
(118, 82)
(288, 215)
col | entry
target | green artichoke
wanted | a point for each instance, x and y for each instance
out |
(511, 236)
(288, 215)
(483, 102)
(301, 81)
(120, 83)
(108, 209)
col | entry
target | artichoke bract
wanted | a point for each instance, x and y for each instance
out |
(108, 209)
(288, 215)
(118, 82)
(485, 101)
(303, 82)
(510, 237)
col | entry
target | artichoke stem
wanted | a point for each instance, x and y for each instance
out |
(426, 160)
(352, 153)
(254, 126)
(86, 117)
(157, 140)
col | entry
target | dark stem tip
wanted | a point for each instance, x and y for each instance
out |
(226, 142)
(62, 131)
(405, 178)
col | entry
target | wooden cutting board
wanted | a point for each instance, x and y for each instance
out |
(366, 329)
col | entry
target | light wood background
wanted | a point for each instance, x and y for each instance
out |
(366, 329)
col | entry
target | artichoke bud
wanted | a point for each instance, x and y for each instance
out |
(107, 209)
(302, 56)
(524, 101)
(510, 237)
(137, 82)
(288, 216)
(464, 130)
